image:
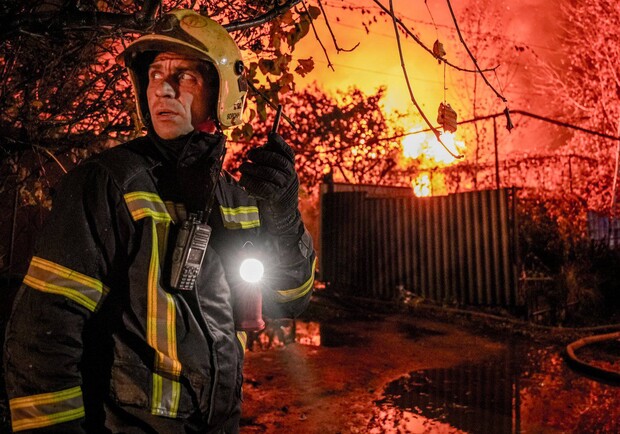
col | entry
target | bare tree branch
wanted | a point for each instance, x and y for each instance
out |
(72, 20)
(38, 23)
(417, 106)
(458, 31)
(338, 48)
(148, 11)
(316, 35)
(421, 44)
(262, 19)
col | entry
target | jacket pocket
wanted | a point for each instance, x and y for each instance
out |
(130, 384)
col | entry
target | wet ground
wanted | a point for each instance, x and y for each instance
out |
(366, 370)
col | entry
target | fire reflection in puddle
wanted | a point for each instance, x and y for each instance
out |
(309, 333)
(281, 332)
(524, 390)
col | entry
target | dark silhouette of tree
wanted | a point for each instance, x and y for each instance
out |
(63, 97)
(60, 86)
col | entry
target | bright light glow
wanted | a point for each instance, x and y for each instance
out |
(426, 146)
(251, 270)
(422, 185)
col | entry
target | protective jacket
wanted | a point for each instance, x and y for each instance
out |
(98, 341)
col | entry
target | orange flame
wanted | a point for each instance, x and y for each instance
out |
(432, 155)
(426, 146)
(422, 185)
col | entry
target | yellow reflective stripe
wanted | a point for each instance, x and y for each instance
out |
(46, 409)
(47, 276)
(166, 393)
(239, 210)
(242, 217)
(143, 204)
(161, 334)
(148, 196)
(286, 295)
(243, 339)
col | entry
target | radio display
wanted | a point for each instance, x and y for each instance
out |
(195, 256)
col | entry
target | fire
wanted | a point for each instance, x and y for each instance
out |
(425, 148)
(422, 185)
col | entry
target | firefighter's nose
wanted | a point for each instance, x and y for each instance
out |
(164, 89)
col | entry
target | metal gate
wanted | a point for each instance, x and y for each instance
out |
(460, 248)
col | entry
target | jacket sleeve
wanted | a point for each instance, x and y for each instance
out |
(65, 284)
(289, 273)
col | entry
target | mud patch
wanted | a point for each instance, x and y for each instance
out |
(416, 332)
(338, 335)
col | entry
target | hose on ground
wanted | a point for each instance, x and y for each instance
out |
(596, 371)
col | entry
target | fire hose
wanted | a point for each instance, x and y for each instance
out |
(589, 368)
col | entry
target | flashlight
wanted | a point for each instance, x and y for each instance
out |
(249, 312)
(251, 270)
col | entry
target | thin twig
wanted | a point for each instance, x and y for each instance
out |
(51, 155)
(458, 31)
(402, 64)
(147, 13)
(338, 48)
(75, 20)
(316, 35)
(421, 44)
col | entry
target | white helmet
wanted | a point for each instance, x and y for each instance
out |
(187, 32)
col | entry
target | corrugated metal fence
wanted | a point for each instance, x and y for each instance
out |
(456, 248)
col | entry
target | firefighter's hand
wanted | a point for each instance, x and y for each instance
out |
(270, 176)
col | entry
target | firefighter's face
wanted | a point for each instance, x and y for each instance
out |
(178, 94)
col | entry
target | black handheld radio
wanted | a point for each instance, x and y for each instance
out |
(192, 240)
(189, 252)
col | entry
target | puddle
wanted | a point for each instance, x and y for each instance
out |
(525, 390)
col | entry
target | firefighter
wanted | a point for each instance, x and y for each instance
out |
(101, 338)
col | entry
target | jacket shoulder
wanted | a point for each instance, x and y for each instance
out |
(125, 161)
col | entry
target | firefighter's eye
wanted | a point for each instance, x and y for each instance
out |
(155, 75)
(187, 76)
